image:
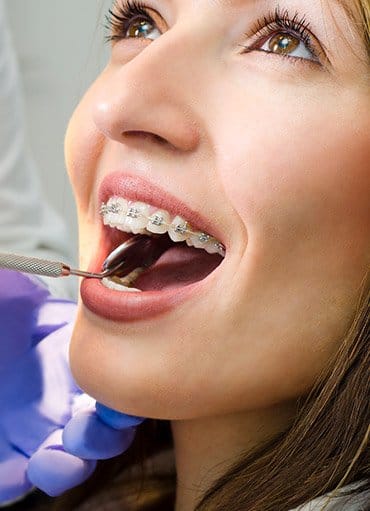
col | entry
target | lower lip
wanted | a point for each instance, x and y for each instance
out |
(135, 306)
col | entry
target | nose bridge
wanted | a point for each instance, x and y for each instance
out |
(153, 92)
(169, 57)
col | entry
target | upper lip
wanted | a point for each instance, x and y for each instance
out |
(136, 188)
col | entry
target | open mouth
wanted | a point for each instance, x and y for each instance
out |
(188, 267)
(185, 255)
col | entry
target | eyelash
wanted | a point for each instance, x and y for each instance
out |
(280, 21)
(118, 22)
(276, 21)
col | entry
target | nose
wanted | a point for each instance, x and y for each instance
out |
(149, 96)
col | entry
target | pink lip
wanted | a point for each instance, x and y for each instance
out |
(129, 306)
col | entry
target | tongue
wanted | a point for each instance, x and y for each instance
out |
(178, 267)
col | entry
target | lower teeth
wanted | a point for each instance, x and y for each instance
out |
(124, 284)
(111, 284)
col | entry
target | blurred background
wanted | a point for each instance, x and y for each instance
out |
(60, 47)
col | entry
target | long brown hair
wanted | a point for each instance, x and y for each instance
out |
(324, 449)
(326, 446)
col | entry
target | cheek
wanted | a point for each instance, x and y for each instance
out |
(298, 184)
(303, 175)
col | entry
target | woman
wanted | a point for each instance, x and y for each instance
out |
(250, 122)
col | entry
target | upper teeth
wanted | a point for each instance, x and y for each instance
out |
(139, 218)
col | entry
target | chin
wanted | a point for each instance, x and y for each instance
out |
(112, 368)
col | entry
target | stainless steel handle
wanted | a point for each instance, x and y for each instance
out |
(47, 268)
(33, 265)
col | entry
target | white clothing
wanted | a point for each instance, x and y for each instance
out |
(28, 225)
(339, 503)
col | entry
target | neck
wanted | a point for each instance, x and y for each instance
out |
(205, 448)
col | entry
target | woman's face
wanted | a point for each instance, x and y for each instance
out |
(268, 151)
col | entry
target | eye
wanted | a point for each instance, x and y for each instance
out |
(287, 44)
(131, 20)
(142, 28)
(287, 36)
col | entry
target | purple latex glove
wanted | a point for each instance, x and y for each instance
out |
(51, 433)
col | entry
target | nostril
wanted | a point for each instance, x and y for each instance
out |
(160, 139)
(144, 135)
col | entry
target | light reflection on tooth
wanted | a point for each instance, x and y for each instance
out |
(159, 222)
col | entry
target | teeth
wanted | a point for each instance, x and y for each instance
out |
(159, 222)
(199, 239)
(129, 279)
(115, 211)
(214, 247)
(141, 218)
(110, 284)
(177, 230)
(137, 217)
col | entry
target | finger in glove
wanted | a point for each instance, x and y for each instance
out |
(13, 480)
(55, 471)
(86, 436)
(117, 420)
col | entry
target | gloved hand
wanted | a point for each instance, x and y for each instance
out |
(51, 433)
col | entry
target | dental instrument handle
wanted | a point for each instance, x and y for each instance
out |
(44, 267)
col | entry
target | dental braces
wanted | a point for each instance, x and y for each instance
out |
(133, 213)
(158, 221)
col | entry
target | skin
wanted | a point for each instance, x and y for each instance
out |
(278, 149)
